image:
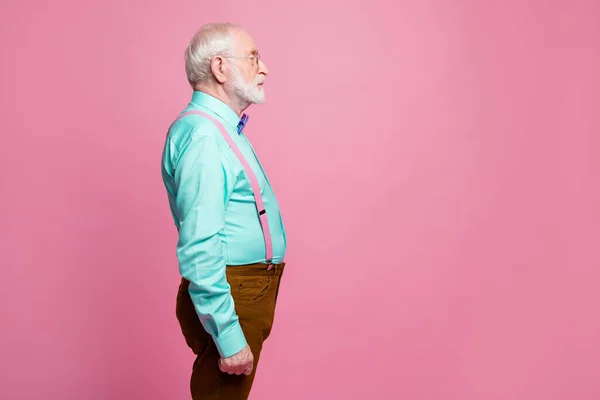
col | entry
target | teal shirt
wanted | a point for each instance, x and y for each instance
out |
(213, 208)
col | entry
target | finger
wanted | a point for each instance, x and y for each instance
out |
(225, 366)
(249, 366)
(240, 368)
(230, 368)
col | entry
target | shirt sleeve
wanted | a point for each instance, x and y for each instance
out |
(200, 201)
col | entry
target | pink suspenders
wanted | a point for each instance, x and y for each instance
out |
(260, 207)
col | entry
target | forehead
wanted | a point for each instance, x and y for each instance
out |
(243, 42)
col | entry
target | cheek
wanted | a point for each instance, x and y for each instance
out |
(250, 76)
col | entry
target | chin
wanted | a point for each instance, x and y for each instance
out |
(258, 97)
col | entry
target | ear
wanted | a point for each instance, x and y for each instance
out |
(218, 68)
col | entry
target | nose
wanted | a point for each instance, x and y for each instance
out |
(262, 68)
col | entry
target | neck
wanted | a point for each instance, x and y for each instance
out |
(219, 92)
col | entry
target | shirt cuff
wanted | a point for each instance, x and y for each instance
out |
(231, 342)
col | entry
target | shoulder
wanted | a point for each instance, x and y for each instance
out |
(192, 127)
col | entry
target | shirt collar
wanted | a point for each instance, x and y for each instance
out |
(216, 106)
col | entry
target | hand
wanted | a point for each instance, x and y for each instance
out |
(240, 363)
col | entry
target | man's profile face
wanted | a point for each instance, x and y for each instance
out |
(248, 74)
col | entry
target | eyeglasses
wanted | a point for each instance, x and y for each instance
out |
(254, 57)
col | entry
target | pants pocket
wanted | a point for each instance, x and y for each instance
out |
(249, 289)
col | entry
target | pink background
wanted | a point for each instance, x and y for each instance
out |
(438, 167)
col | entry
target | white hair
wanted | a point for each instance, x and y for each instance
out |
(210, 40)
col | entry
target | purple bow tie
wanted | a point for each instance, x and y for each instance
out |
(242, 123)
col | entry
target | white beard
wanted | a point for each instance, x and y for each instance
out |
(247, 91)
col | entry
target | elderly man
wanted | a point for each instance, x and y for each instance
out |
(232, 241)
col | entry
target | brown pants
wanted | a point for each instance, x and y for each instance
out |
(254, 291)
